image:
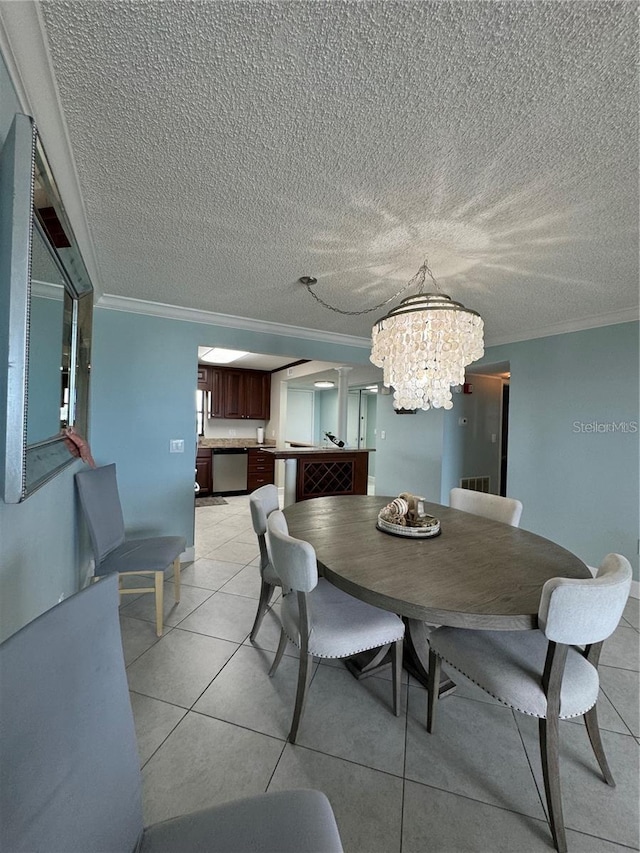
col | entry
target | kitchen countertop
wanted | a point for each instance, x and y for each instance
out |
(280, 451)
(299, 452)
(215, 443)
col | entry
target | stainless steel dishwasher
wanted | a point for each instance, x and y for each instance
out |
(229, 470)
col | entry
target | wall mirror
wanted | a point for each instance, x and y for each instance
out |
(49, 302)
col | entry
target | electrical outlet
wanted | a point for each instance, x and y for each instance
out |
(383, 433)
(176, 445)
(233, 433)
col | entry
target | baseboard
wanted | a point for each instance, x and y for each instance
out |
(189, 555)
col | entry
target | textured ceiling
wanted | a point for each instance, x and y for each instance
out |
(224, 149)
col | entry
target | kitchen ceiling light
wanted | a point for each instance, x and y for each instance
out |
(324, 383)
(423, 344)
(218, 355)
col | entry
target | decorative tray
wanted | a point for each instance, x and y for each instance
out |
(424, 531)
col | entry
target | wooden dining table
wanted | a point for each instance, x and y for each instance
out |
(477, 573)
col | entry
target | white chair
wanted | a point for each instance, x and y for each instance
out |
(262, 503)
(321, 620)
(540, 672)
(70, 770)
(495, 507)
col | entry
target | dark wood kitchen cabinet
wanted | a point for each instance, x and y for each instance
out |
(247, 394)
(216, 392)
(204, 471)
(237, 393)
(260, 469)
(233, 394)
(258, 395)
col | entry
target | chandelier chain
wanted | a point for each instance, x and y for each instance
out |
(418, 278)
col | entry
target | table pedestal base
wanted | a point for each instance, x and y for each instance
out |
(415, 659)
(369, 663)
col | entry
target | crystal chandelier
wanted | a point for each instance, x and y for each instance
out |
(422, 345)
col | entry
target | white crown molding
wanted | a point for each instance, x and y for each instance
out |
(210, 318)
(625, 315)
(25, 47)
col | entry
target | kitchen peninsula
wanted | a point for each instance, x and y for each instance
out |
(309, 471)
(312, 472)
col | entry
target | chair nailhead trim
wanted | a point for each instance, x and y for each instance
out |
(507, 704)
(296, 643)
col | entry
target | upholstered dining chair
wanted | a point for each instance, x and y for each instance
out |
(262, 502)
(70, 774)
(321, 620)
(495, 507)
(541, 672)
(113, 551)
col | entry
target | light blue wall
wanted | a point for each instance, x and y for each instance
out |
(579, 489)
(143, 380)
(452, 450)
(409, 457)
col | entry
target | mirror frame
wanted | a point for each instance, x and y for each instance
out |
(27, 467)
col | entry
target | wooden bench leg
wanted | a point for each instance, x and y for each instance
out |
(176, 578)
(159, 601)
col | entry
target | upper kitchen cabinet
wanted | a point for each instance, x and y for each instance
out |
(234, 393)
(246, 394)
(216, 395)
(237, 393)
(258, 395)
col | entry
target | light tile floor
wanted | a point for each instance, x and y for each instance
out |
(212, 726)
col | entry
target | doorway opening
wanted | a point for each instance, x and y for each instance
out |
(484, 422)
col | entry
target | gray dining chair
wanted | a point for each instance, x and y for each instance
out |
(70, 772)
(321, 620)
(495, 507)
(541, 672)
(114, 551)
(262, 502)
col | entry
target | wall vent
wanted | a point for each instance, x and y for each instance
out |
(477, 484)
